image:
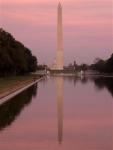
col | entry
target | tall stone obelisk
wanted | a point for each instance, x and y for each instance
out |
(60, 52)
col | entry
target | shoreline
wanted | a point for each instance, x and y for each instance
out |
(83, 75)
(5, 96)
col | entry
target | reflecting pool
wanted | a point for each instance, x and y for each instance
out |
(60, 113)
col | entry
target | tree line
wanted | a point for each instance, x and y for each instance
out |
(100, 65)
(15, 58)
(103, 66)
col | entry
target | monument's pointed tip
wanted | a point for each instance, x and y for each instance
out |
(59, 4)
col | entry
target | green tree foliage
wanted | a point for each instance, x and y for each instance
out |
(103, 66)
(109, 65)
(15, 58)
(99, 65)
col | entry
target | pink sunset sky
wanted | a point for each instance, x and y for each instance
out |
(88, 32)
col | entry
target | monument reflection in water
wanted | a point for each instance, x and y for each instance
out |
(60, 98)
(36, 121)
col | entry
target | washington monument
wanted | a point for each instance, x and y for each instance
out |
(60, 52)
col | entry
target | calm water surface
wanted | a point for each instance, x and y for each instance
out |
(60, 113)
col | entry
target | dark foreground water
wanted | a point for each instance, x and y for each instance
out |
(60, 113)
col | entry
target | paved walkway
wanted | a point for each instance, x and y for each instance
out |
(10, 94)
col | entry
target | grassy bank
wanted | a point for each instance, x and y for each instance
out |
(11, 84)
